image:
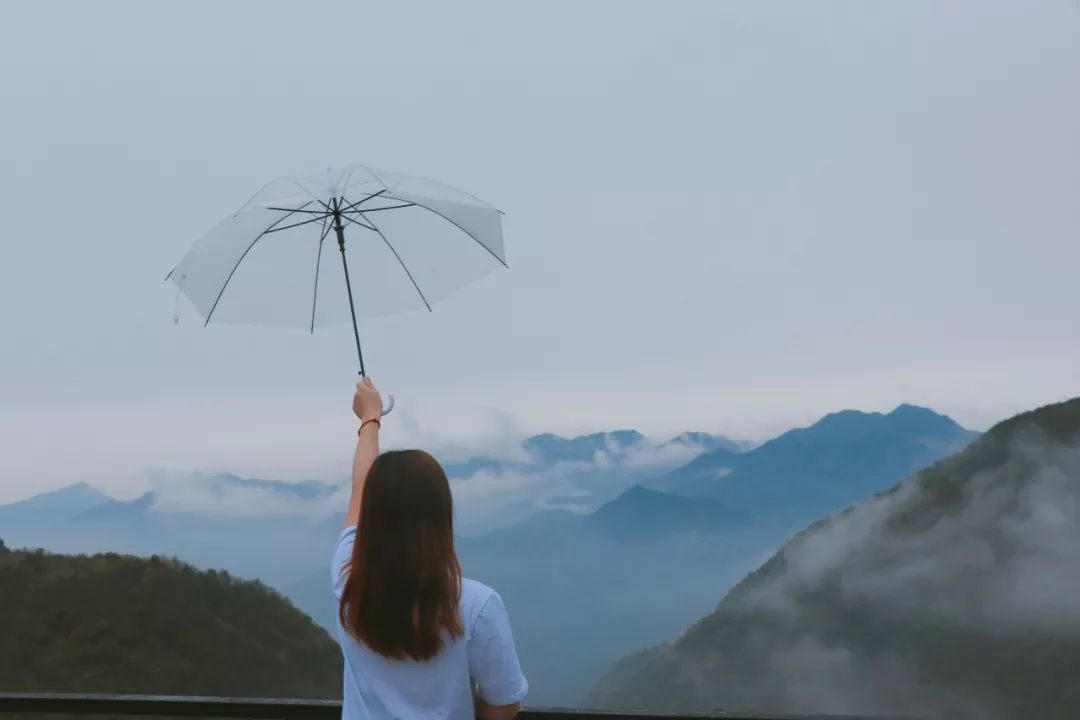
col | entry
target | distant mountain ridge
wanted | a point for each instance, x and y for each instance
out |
(304, 489)
(593, 469)
(643, 512)
(547, 449)
(83, 501)
(709, 443)
(112, 510)
(588, 470)
(553, 448)
(952, 594)
(639, 513)
(58, 504)
(844, 456)
(36, 516)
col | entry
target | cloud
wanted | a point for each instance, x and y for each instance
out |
(1000, 559)
(659, 455)
(520, 485)
(816, 676)
(509, 486)
(226, 496)
(1013, 539)
(489, 499)
(495, 486)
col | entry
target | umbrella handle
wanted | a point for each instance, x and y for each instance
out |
(389, 404)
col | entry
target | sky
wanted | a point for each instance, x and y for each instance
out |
(722, 216)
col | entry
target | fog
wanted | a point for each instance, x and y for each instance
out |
(229, 496)
(508, 484)
(519, 485)
(1000, 562)
(1007, 559)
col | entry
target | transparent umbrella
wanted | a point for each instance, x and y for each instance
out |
(407, 242)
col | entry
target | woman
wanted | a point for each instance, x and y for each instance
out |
(419, 640)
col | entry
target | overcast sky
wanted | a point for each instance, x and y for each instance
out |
(722, 216)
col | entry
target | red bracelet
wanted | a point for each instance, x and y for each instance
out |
(377, 422)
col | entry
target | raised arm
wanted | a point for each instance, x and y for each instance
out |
(368, 407)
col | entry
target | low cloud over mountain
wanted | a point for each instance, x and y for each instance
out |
(951, 595)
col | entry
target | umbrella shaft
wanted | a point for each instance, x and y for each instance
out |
(348, 285)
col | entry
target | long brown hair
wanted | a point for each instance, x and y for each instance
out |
(404, 579)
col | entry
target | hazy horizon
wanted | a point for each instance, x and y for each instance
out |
(505, 447)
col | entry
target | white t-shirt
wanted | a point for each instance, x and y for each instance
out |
(379, 688)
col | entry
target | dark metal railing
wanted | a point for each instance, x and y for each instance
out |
(274, 709)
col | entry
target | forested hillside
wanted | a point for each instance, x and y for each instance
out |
(117, 624)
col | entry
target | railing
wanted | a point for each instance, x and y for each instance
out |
(273, 709)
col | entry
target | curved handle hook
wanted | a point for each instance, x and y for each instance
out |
(388, 408)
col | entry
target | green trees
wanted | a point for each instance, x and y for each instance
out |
(117, 624)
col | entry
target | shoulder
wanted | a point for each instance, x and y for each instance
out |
(475, 597)
(475, 593)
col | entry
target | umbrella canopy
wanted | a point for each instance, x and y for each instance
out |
(408, 242)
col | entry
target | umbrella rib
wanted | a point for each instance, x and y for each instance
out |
(351, 207)
(354, 221)
(287, 227)
(244, 255)
(318, 262)
(306, 212)
(391, 207)
(447, 219)
(400, 262)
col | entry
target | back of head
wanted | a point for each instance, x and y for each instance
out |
(404, 581)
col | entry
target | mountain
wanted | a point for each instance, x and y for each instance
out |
(545, 450)
(82, 504)
(550, 448)
(953, 594)
(222, 485)
(58, 504)
(843, 457)
(224, 494)
(707, 443)
(553, 448)
(632, 573)
(578, 473)
(116, 624)
(113, 511)
(267, 529)
(36, 519)
(641, 513)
